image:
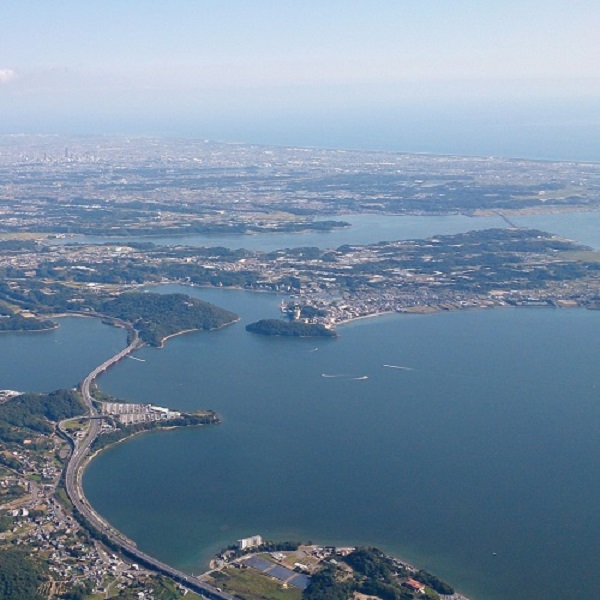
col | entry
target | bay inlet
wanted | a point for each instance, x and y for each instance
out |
(467, 462)
(469, 449)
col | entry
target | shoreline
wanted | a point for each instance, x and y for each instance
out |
(363, 317)
(172, 335)
(184, 331)
(98, 452)
(236, 288)
(435, 309)
(133, 434)
(42, 330)
(84, 512)
(475, 214)
(425, 310)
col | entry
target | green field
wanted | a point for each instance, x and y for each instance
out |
(252, 585)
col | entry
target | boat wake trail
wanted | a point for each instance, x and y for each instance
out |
(345, 376)
(399, 367)
(134, 358)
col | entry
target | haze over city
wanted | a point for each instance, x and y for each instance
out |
(508, 78)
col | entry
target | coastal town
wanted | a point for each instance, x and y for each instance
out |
(54, 189)
(64, 186)
(479, 269)
(37, 519)
(299, 300)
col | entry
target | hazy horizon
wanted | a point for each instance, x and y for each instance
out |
(545, 132)
(503, 78)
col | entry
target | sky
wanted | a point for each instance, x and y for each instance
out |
(285, 70)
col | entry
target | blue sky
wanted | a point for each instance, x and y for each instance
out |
(139, 65)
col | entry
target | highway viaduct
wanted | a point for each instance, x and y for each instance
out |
(74, 488)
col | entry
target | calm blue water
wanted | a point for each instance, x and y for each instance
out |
(370, 229)
(489, 443)
(49, 360)
(365, 229)
(445, 120)
(581, 226)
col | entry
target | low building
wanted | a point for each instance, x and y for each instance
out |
(250, 542)
(415, 586)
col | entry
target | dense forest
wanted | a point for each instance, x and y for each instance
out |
(290, 328)
(34, 412)
(20, 575)
(374, 574)
(157, 316)
(17, 322)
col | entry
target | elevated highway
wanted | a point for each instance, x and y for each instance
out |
(74, 488)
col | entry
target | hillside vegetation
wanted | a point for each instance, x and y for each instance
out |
(157, 316)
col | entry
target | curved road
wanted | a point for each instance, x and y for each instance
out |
(74, 489)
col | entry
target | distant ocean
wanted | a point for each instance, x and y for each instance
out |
(566, 129)
(559, 131)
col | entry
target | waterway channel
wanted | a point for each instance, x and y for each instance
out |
(370, 229)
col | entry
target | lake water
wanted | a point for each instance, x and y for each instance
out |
(365, 229)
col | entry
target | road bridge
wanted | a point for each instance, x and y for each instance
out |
(74, 488)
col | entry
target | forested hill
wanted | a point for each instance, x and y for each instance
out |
(289, 328)
(157, 316)
(21, 575)
(32, 412)
(12, 320)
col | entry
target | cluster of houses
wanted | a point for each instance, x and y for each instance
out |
(131, 414)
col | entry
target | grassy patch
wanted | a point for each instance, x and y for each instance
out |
(165, 589)
(23, 236)
(75, 424)
(591, 256)
(252, 585)
(63, 498)
(299, 557)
